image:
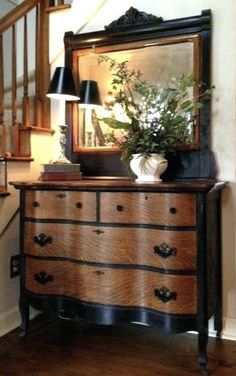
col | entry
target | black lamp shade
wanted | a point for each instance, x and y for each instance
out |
(89, 93)
(63, 85)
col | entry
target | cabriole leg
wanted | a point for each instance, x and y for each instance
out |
(202, 352)
(218, 323)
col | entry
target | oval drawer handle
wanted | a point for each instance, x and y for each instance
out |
(173, 210)
(35, 204)
(164, 294)
(79, 205)
(119, 208)
(164, 250)
(42, 239)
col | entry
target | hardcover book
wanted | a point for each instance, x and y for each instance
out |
(60, 175)
(60, 167)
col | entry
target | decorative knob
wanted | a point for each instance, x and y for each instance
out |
(164, 250)
(35, 204)
(173, 210)
(42, 239)
(79, 205)
(43, 278)
(164, 294)
(119, 208)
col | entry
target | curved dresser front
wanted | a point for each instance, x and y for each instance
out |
(115, 251)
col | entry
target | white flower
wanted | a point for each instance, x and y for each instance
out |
(120, 113)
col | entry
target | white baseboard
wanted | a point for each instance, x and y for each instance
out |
(11, 320)
(229, 329)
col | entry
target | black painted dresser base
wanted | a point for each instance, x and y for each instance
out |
(110, 315)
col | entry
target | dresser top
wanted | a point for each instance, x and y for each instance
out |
(115, 184)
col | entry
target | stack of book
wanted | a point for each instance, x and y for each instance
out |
(55, 172)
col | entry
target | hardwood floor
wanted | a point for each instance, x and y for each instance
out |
(56, 347)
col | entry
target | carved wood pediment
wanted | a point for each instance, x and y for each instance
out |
(133, 17)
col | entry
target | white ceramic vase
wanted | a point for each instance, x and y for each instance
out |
(148, 168)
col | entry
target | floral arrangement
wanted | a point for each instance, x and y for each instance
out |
(156, 119)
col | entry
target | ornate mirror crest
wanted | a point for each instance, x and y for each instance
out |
(133, 17)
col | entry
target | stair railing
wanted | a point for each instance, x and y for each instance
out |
(20, 114)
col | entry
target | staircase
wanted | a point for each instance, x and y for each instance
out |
(24, 76)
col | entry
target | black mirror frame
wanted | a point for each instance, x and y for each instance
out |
(136, 26)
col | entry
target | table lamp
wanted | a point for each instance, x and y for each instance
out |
(89, 100)
(63, 87)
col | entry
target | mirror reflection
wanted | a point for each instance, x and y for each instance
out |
(157, 61)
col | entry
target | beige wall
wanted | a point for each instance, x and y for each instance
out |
(94, 16)
(9, 240)
(6, 6)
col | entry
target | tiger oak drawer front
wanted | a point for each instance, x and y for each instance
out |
(120, 287)
(69, 205)
(136, 246)
(170, 209)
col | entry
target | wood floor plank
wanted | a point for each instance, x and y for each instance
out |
(56, 347)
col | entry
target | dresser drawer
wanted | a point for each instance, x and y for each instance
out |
(139, 246)
(70, 205)
(170, 209)
(112, 286)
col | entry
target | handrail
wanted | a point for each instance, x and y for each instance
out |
(17, 13)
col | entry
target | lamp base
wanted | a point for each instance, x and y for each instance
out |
(61, 160)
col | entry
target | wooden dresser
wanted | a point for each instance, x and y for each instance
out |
(115, 251)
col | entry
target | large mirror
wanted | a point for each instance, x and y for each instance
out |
(158, 61)
(160, 50)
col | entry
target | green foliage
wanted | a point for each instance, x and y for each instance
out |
(159, 119)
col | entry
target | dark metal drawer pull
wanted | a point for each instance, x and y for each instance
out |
(35, 204)
(164, 250)
(42, 239)
(119, 208)
(173, 210)
(43, 278)
(165, 295)
(79, 205)
(98, 231)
